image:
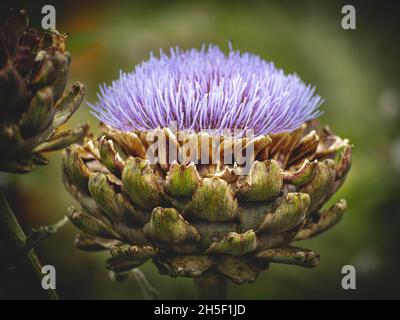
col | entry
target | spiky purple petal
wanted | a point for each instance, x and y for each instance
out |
(207, 89)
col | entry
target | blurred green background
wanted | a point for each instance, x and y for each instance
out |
(356, 71)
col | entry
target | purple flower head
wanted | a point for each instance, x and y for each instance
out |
(207, 89)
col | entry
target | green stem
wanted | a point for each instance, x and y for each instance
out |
(15, 244)
(149, 292)
(44, 232)
(211, 286)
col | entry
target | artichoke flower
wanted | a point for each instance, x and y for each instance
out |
(195, 217)
(33, 103)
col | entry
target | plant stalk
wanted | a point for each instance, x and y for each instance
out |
(149, 292)
(211, 286)
(22, 259)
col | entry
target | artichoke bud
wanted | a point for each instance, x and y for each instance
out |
(166, 224)
(204, 208)
(200, 221)
(33, 75)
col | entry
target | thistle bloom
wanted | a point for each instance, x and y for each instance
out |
(207, 89)
(33, 101)
(206, 221)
